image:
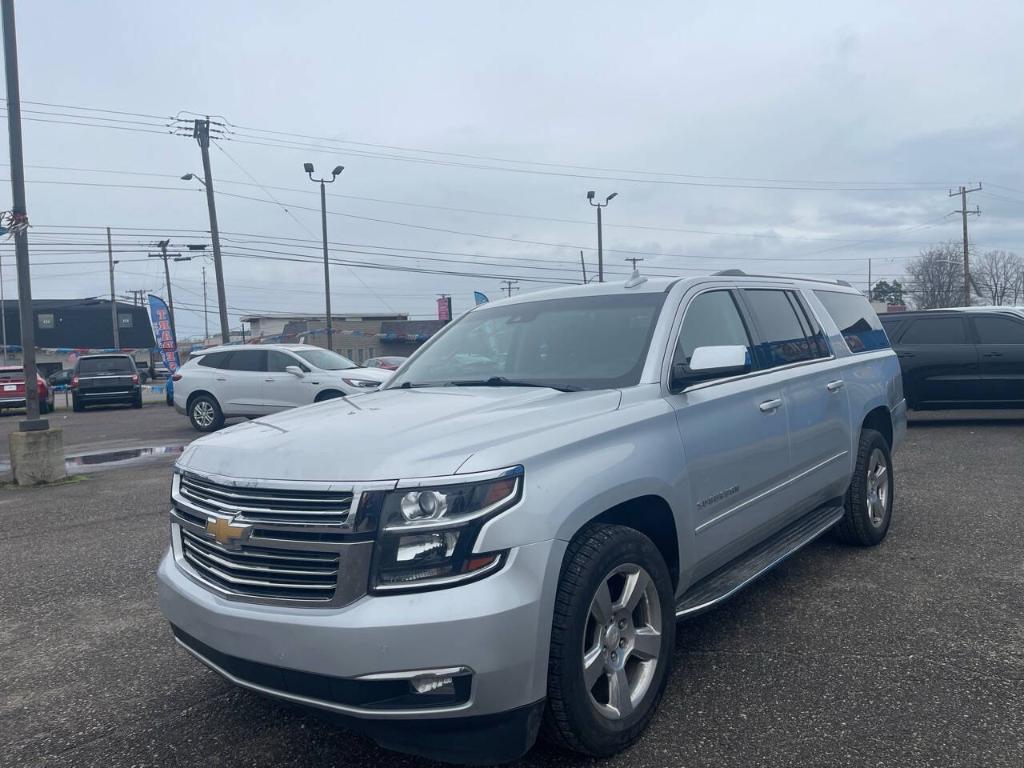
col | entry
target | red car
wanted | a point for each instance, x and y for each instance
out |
(12, 389)
(386, 363)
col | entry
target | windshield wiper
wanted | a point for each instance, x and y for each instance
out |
(501, 381)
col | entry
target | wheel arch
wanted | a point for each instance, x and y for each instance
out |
(193, 395)
(652, 516)
(880, 420)
(328, 394)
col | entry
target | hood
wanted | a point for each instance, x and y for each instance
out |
(366, 374)
(394, 434)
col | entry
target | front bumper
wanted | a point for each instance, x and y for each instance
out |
(499, 628)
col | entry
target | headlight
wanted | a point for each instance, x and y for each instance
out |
(361, 383)
(427, 533)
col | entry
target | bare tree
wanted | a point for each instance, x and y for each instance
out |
(997, 277)
(936, 277)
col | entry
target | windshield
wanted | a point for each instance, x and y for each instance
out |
(591, 342)
(325, 360)
(118, 364)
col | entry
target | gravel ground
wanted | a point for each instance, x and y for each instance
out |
(910, 654)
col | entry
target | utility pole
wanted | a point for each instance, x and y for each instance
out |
(308, 168)
(19, 214)
(870, 297)
(963, 192)
(583, 266)
(600, 243)
(634, 260)
(206, 311)
(3, 313)
(167, 276)
(113, 296)
(201, 133)
(509, 286)
(137, 294)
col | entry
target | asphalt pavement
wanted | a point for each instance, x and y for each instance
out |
(909, 654)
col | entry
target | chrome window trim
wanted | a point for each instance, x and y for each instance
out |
(382, 714)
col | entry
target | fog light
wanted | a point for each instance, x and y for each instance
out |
(433, 684)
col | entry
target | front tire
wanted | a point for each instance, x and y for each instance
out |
(205, 414)
(611, 641)
(869, 498)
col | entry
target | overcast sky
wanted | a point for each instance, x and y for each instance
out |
(864, 116)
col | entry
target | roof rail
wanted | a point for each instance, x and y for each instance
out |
(741, 273)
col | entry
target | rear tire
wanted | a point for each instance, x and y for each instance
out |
(623, 653)
(869, 498)
(76, 404)
(137, 401)
(205, 414)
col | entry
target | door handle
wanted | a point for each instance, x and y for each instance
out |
(991, 354)
(770, 405)
(904, 354)
(834, 386)
(221, 378)
(269, 379)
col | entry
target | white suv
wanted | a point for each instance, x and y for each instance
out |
(251, 381)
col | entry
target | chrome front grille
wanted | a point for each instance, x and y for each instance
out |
(289, 505)
(272, 542)
(263, 571)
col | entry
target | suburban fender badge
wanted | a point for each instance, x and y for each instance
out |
(227, 533)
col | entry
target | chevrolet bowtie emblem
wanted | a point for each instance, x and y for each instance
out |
(226, 532)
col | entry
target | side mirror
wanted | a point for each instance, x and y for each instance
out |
(710, 363)
(294, 370)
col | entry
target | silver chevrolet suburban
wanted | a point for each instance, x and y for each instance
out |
(500, 541)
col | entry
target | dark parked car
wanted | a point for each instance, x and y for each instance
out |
(960, 358)
(61, 378)
(104, 380)
(143, 369)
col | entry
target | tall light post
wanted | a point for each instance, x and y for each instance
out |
(308, 168)
(600, 243)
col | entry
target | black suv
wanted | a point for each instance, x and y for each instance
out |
(105, 380)
(960, 358)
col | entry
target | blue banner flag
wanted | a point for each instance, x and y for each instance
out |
(480, 298)
(160, 316)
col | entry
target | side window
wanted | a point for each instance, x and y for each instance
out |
(711, 320)
(999, 330)
(784, 339)
(248, 360)
(214, 360)
(278, 361)
(857, 321)
(935, 330)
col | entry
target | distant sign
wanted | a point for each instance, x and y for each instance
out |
(480, 298)
(444, 308)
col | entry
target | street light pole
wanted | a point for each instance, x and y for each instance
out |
(167, 277)
(308, 168)
(600, 242)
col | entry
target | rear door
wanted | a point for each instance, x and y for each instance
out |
(939, 361)
(734, 434)
(241, 390)
(282, 389)
(817, 406)
(1001, 350)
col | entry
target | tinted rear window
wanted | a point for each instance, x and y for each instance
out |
(857, 321)
(248, 360)
(935, 330)
(214, 360)
(999, 330)
(112, 364)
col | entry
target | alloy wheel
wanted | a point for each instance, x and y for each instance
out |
(622, 641)
(877, 488)
(202, 412)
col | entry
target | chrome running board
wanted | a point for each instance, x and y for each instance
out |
(755, 562)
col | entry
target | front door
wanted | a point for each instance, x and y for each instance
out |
(734, 435)
(286, 390)
(1001, 352)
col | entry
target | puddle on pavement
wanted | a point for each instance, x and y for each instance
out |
(94, 462)
(97, 460)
